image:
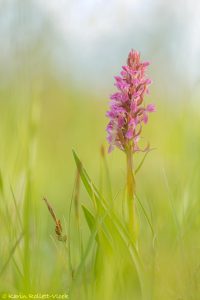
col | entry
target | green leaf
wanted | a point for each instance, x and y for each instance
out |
(89, 218)
(92, 191)
(103, 234)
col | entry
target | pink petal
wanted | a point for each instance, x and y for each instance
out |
(133, 106)
(145, 118)
(129, 133)
(151, 108)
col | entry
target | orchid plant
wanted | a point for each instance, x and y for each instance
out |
(128, 112)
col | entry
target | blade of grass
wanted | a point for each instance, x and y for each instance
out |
(17, 267)
(11, 254)
(107, 173)
(171, 202)
(145, 214)
(69, 234)
(1, 184)
(26, 225)
(93, 193)
(16, 207)
(86, 253)
(142, 161)
(91, 221)
(89, 218)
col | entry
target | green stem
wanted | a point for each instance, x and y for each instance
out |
(130, 193)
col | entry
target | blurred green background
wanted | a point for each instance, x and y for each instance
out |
(57, 63)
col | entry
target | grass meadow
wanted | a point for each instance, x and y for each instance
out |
(39, 128)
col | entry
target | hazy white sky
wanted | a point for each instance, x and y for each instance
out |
(91, 38)
(102, 27)
(91, 19)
